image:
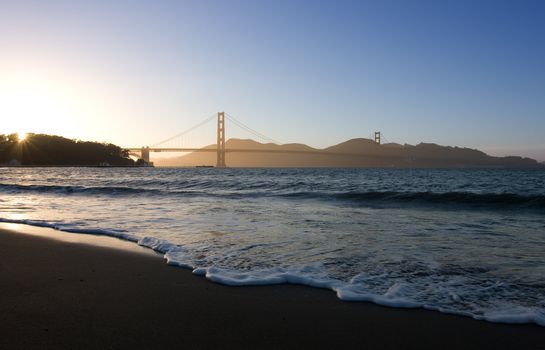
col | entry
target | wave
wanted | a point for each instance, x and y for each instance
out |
(492, 200)
(92, 190)
(70, 229)
(395, 296)
(370, 198)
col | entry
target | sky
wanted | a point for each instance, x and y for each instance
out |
(468, 73)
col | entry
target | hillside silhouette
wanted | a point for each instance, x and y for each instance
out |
(49, 150)
(356, 153)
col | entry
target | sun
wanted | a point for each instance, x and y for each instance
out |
(40, 105)
(21, 136)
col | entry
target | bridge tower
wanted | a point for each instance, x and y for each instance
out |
(377, 137)
(221, 141)
(144, 154)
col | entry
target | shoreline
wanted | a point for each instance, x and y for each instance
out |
(540, 166)
(83, 292)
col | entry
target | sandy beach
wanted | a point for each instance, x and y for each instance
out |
(73, 294)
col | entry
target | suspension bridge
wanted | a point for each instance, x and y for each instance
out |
(220, 149)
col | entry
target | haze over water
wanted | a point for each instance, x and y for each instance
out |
(469, 242)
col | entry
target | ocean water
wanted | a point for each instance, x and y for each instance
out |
(469, 242)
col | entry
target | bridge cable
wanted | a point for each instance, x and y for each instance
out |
(186, 131)
(250, 130)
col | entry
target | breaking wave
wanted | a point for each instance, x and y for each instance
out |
(371, 198)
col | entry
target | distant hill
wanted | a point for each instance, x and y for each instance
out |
(48, 150)
(357, 153)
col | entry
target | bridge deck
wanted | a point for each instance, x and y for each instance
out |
(244, 150)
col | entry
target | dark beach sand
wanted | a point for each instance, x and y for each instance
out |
(64, 295)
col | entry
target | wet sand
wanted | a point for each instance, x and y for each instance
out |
(75, 294)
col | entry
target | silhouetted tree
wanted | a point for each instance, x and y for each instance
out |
(41, 149)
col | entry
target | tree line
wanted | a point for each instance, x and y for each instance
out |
(50, 150)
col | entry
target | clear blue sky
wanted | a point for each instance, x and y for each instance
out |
(466, 73)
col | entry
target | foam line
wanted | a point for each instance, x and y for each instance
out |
(176, 255)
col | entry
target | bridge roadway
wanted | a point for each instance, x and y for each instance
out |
(226, 150)
(245, 150)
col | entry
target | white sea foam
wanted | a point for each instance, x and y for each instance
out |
(393, 297)
(158, 245)
(266, 277)
(396, 295)
(517, 315)
(68, 228)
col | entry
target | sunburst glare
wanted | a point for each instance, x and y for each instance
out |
(21, 136)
